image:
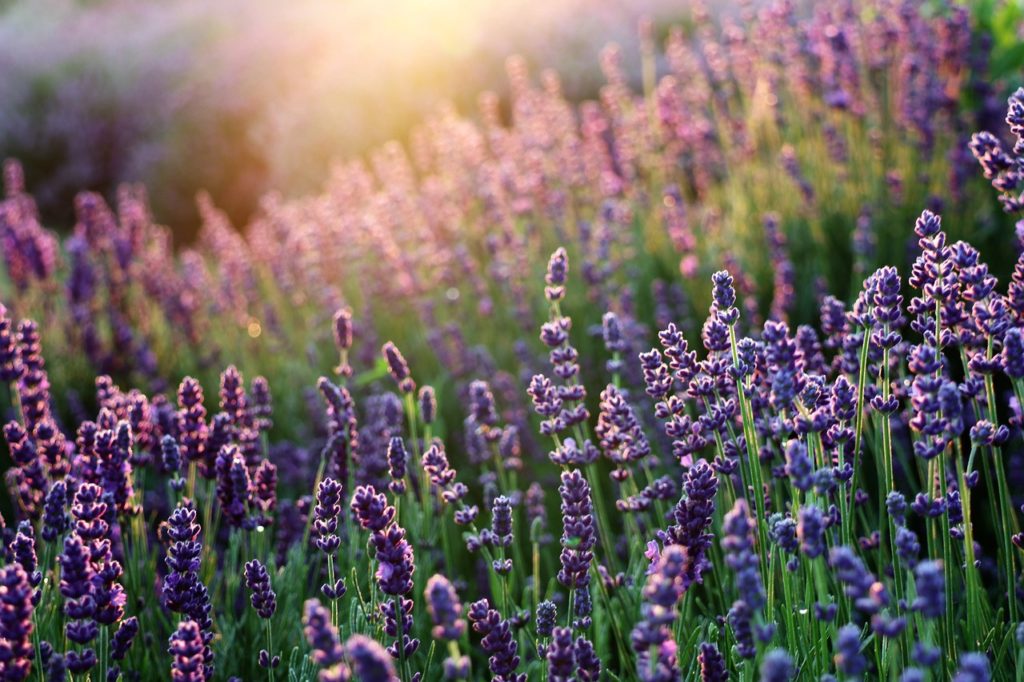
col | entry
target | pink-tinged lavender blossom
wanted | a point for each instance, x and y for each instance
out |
(370, 662)
(264, 490)
(868, 595)
(712, 664)
(398, 368)
(114, 449)
(444, 608)
(192, 428)
(442, 476)
(188, 654)
(34, 384)
(16, 607)
(52, 447)
(10, 364)
(497, 641)
(849, 660)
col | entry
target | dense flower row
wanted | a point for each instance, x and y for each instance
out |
(750, 497)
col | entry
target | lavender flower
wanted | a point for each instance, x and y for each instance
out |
(188, 654)
(712, 664)
(777, 666)
(398, 368)
(397, 458)
(444, 608)
(652, 637)
(370, 662)
(192, 429)
(16, 626)
(498, 642)
(325, 516)
(558, 272)
(931, 589)
(849, 660)
(974, 667)
(323, 639)
(123, 638)
(263, 598)
(55, 514)
(561, 656)
(427, 404)
(579, 535)
(693, 515)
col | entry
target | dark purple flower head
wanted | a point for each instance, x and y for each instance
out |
(55, 513)
(261, 407)
(257, 579)
(234, 488)
(547, 613)
(498, 642)
(561, 656)
(371, 509)
(501, 521)
(395, 560)
(192, 428)
(325, 515)
(712, 664)
(343, 329)
(621, 436)
(445, 608)
(724, 296)
(398, 368)
(428, 404)
(397, 458)
(1013, 353)
(123, 638)
(693, 514)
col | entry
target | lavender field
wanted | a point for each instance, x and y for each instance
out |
(714, 373)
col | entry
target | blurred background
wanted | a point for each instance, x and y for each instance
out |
(240, 96)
